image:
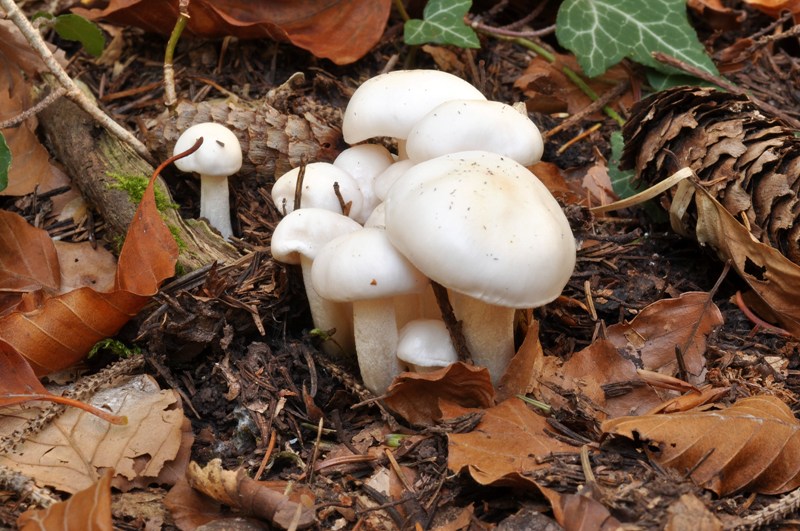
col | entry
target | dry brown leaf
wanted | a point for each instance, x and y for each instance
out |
(590, 371)
(509, 442)
(189, 508)
(774, 8)
(716, 15)
(87, 510)
(691, 400)
(689, 512)
(71, 452)
(53, 332)
(548, 90)
(30, 166)
(752, 445)
(582, 511)
(83, 266)
(523, 367)
(770, 275)
(416, 396)
(340, 30)
(667, 324)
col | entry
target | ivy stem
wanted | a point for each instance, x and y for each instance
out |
(551, 58)
(170, 95)
(398, 4)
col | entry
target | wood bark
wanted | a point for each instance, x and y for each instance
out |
(92, 156)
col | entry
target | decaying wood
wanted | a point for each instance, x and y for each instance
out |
(92, 157)
(749, 161)
(274, 138)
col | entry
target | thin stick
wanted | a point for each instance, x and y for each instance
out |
(27, 113)
(170, 96)
(73, 92)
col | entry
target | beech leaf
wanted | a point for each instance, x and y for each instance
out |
(752, 445)
(509, 441)
(87, 510)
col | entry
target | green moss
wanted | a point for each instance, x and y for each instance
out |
(135, 186)
(115, 347)
(176, 234)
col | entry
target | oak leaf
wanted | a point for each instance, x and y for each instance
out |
(87, 510)
(509, 441)
(342, 30)
(751, 445)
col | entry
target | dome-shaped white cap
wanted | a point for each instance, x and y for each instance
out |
(390, 104)
(318, 189)
(426, 343)
(364, 265)
(220, 155)
(364, 163)
(483, 225)
(305, 231)
(465, 125)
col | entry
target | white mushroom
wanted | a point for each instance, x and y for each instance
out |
(486, 228)
(218, 157)
(425, 345)
(364, 163)
(365, 269)
(297, 239)
(320, 180)
(464, 125)
(385, 180)
(390, 104)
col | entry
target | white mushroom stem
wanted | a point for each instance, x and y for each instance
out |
(488, 331)
(327, 314)
(375, 331)
(214, 203)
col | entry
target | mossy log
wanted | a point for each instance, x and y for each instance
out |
(92, 157)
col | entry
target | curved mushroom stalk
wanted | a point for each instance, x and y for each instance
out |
(214, 203)
(488, 331)
(375, 331)
(329, 315)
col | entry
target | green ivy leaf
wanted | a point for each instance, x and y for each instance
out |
(603, 32)
(76, 28)
(621, 180)
(443, 23)
(5, 162)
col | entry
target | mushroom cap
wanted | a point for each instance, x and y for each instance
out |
(390, 104)
(220, 155)
(364, 163)
(318, 191)
(463, 125)
(385, 180)
(483, 225)
(363, 265)
(426, 343)
(305, 231)
(378, 217)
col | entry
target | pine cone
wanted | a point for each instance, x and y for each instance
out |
(273, 141)
(748, 161)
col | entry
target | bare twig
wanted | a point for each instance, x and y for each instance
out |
(170, 96)
(27, 113)
(73, 92)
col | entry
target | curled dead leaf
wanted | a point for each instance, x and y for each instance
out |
(416, 396)
(509, 441)
(87, 510)
(751, 445)
(342, 31)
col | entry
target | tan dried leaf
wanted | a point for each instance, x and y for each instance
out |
(716, 14)
(752, 445)
(509, 441)
(87, 510)
(71, 453)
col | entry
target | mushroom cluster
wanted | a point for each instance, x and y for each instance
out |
(455, 204)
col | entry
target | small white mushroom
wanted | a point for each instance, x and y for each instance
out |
(215, 160)
(364, 163)
(320, 180)
(385, 180)
(390, 104)
(365, 269)
(464, 125)
(425, 345)
(297, 239)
